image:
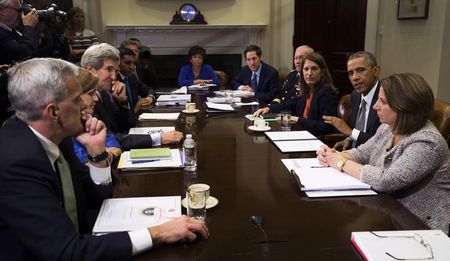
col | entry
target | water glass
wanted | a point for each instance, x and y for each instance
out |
(285, 120)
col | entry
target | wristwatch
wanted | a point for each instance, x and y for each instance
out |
(340, 164)
(98, 158)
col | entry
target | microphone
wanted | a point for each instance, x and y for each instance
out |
(258, 222)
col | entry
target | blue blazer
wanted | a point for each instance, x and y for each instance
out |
(33, 222)
(373, 122)
(186, 77)
(268, 85)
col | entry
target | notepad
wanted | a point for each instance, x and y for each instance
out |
(219, 107)
(126, 164)
(290, 135)
(298, 145)
(154, 154)
(159, 116)
(378, 245)
(150, 130)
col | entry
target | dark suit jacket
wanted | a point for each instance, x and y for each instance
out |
(118, 120)
(373, 122)
(324, 102)
(138, 88)
(33, 222)
(288, 92)
(15, 47)
(268, 85)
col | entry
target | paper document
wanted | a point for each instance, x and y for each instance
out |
(252, 118)
(236, 93)
(331, 182)
(298, 145)
(182, 90)
(200, 87)
(290, 135)
(402, 244)
(240, 104)
(173, 99)
(159, 116)
(150, 130)
(219, 107)
(175, 161)
(222, 99)
(126, 214)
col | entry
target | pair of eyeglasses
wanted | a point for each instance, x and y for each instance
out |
(414, 236)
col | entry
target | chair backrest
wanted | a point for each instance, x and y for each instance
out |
(344, 108)
(223, 78)
(441, 117)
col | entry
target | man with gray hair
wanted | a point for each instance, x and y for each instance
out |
(363, 72)
(103, 60)
(47, 195)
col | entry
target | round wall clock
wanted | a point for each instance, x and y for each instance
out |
(188, 14)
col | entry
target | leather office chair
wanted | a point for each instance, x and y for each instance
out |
(344, 111)
(223, 78)
(441, 117)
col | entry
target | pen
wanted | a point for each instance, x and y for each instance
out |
(142, 161)
(318, 166)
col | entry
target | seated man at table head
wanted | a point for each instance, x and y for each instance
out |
(103, 61)
(407, 157)
(363, 72)
(140, 96)
(289, 90)
(47, 193)
(197, 72)
(257, 76)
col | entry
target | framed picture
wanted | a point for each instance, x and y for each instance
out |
(412, 9)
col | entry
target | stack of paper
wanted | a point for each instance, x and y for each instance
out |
(216, 107)
(159, 116)
(222, 99)
(320, 181)
(173, 99)
(252, 118)
(127, 214)
(402, 245)
(200, 87)
(127, 163)
(236, 93)
(150, 130)
(294, 141)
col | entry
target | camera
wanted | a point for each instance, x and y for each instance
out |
(46, 15)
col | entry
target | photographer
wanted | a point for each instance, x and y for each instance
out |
(15, 45)
(50, 29)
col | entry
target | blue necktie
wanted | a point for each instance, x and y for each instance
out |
(129, 94)
(254, 82)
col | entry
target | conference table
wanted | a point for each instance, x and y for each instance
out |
(246, 175)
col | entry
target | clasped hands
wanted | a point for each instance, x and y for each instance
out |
(329, 157)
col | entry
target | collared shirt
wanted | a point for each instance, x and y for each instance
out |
(258, 74)
(141, 239)
(368, 98)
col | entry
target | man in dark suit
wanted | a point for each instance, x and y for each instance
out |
(103, 60)
(289, 90)
(363, 72)
(140, 96)
(257, 76)
(47, 194)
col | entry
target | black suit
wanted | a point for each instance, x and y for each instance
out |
(138, 89)
(268, 84)
(288, 92)
(373, 122)
(16, 47)
(33, 222)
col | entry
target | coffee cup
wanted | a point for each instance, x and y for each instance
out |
(197, 196)
(190, 106)
(260, 124)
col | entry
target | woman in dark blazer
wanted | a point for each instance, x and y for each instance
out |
(197, 72)
(317, 97)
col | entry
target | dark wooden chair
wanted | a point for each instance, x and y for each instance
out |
(223, 78)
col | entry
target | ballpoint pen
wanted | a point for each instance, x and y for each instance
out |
(319, 167)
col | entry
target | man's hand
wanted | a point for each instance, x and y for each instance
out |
(261, 111)
(94, 137)
(119, 93)
(180, 228)
(143, 103)
(30, 19)
(343, 145)
(171, 137)
(247, 88)
(339, 124)
(294, 119)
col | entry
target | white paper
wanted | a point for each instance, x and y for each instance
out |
(290, 135)
(174, 97)
(126, 214)
(220, 107)
(182, 90)
(236, 93)
(175, 161)
(401, 244)
(340, 193)
(150, 130)
(315, 177)
(298, 145)
(159, 116)
(240, 104)
(221, 99)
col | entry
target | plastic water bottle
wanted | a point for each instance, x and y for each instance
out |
(190, 154)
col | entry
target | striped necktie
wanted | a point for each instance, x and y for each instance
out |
(254, 82)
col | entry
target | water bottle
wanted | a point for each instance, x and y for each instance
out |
(190, 155)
